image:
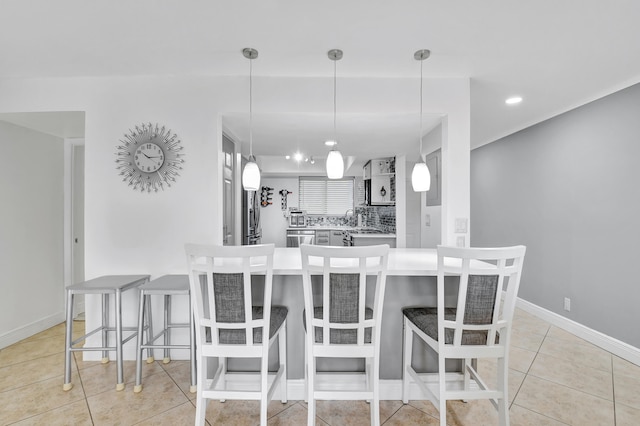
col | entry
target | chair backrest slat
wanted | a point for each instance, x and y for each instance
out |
(222, 296)
(484, 274)
(343, 272)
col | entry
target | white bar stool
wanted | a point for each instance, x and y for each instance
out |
(105, 285)
(167, 286)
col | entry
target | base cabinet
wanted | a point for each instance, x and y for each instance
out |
(323, 238)
(372, 241)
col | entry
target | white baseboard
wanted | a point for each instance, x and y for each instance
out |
(610, 344)
(13, 336)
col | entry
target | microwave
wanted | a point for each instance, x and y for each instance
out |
(297, 219)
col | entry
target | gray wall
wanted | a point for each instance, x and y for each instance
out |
(568, 188)
(31, 232)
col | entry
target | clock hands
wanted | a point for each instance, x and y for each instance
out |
(151, 157)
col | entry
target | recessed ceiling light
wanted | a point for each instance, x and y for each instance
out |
(330, 143)
(297, 156)
(287, 157)
(513, 100)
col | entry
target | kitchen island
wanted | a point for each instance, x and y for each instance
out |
(411, 281)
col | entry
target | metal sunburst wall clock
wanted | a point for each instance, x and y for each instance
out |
(149, 158)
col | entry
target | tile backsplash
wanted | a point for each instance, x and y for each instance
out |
(380, 217)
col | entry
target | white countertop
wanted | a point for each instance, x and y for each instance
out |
(402, 261)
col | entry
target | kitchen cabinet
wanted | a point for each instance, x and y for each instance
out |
(372, 240)
(380, 188)
(323, 237)
(366, 171)
(337, 237)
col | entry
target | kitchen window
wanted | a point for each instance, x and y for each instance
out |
(325, 196)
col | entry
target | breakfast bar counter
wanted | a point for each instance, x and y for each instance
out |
(402, 262)
(411, 281)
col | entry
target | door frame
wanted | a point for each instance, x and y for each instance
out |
(69, 197)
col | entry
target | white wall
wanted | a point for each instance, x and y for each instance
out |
(127, 232)
(31, 230)
(431, 216)
(274, 224)
(567, 188)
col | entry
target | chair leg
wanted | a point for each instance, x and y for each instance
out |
(264, 387)
(119, 360)
(406, 363)
(201, 402)
(466, 363)
(442, 399)
(149, 327)
(375, 403)
(192, 350)
(67, 345)
(311, 404)
(367, 376)
(282, 355)
(222, 365)
(139, 342)
(503, 386)
(201, 410)
(167, 336)
(306, 372)
(105, 324)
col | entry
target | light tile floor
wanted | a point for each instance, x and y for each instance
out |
(555, 378)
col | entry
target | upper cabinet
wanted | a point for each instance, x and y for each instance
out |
(380, 182)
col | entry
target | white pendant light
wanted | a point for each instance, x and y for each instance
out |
(420, 176)
(335, 162)
(251, 171)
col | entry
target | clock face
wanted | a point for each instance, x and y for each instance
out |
(149, 157)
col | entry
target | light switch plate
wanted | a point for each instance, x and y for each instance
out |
(427, 220)
(460, 241)
(461, 225)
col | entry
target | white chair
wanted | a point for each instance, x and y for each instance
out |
(341, 325)
(479, 326)
(228, 324)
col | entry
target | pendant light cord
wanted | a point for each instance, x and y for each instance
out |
(250, 108)
(420, 135)
(335, 133)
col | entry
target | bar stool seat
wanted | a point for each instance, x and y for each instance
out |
(105, 285)
(167, 286)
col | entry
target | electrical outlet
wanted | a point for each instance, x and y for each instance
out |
(460, 241)
(567, 304)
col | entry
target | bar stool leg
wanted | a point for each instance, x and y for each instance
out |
(67, 346)
(140, 339)
(105, 325)
(167, 318)
(150, 335)
(120, 382)
(192, 350)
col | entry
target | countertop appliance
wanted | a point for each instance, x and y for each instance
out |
(297, 219)
(251, 229)
(295, 237)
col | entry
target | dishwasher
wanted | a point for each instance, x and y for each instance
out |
(295, 237)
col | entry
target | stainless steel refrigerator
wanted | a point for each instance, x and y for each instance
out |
(251, 229)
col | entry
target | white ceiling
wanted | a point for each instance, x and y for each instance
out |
(556, 54)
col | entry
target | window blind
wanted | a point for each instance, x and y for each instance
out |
(326, 196)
